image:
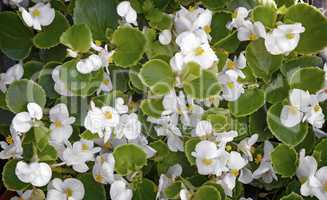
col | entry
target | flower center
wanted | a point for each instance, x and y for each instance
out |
(235, 172)
(207, 162)
(230, 64)
(9, 139)
(228, 148)
(36, 13)
(317, 108)
(230, 85)
(207, 29)
(107, 145)
(97, 42)
(85, 147)
(325, 187)
(58, 124)
(99, 178)
(106, 82)
(69, 192)
(290, 36)
(110, 60)
(258, 159)
(191, 8)
(108, 115)
(252, 37)
(199, 51)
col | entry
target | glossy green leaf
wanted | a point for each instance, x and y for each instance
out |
(99, 15)
(290, 136)
(9, 178)
(130, 43)
(292, 196)
(50, 35)
(22, 92)
(218, 25)
(249, 102)
(261, 62)
(265, 14)
(31, 69)
(152, 107)
(129, 158)
(15, 37)
(45, 79)
(314, 38)
(189, 147)
(308, 78)
(77, 37)
(214, 5)
(145, 191)
(172, 191)
(277, 90)
(284, 160)
(207, 192)
(93, 189)
(320, 152)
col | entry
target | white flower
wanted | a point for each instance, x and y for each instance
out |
(321, 192)
(12, 148)
(306, 174)
(232, 89)
(265, 169)
(165, 37)
(12, 3)
(203, 128)
(210, 160)
(38, 174)
(89, 64)
(184, 194)
(72, 53)
(80, 152)
(14, 73)
(119, 191)
(236, 65)
(292, 114)
(225, 137)
(314, 114)
(103, 169)
(246, 145)
(127, 12)
(284, 38)
(23, 195)
(251, 31)
(23, 121)
(239, 16)
(166, 179)
(69, 189)
(129, 126)
(106, 84)
(60, 86)
(61, 128)
(39, 15)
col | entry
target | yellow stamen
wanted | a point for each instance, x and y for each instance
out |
(230, 85)
(235, 14)
(252, 37)
(252, 150)
(69, 192)
(110, 60)
(85, 147)
(107, 145)
(191, 8)
(235, 172)
(108, 115)
(99, 178)
(230, 64)
(303, 179)
(325, 187)
(199, 51)
(207, 29)
(190, 107)
(97, 42)
(207, 162)
(229, 148)
(290, 36)
(106, 82)
(9, 140)
(58, 124)
(317, 108)
(36, 13)
(258, 159)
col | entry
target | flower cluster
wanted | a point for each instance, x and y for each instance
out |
(163, 100)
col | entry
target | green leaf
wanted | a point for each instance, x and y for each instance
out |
(152, 107)
(290, 66)
(287, 3)
(41, 136)
(158, 76)
(15, 37)
(93, 189)
(277, 90)
(97, 14)
(218, 25)
(214, 5)
(265, 14)
(130, 43)
(37, 194)
(49, 153)
(284, 160)
(172, 191)
(9, 178)
(314, 37)
(189, 148)
(261, 62)
(22, 92)
(247, 103)
(219, 188)
(129, 158)
(292, 196)
(207, 192)
(258, 125)
(145, 191)
(161, 148)
(308, 78)
(45, 79)
(290, 136)
(320, 152)
(159, 20)
(203, 86)
(77, 37)
(88, 135)
(50, 35)
(80, 84)
(230, 43)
